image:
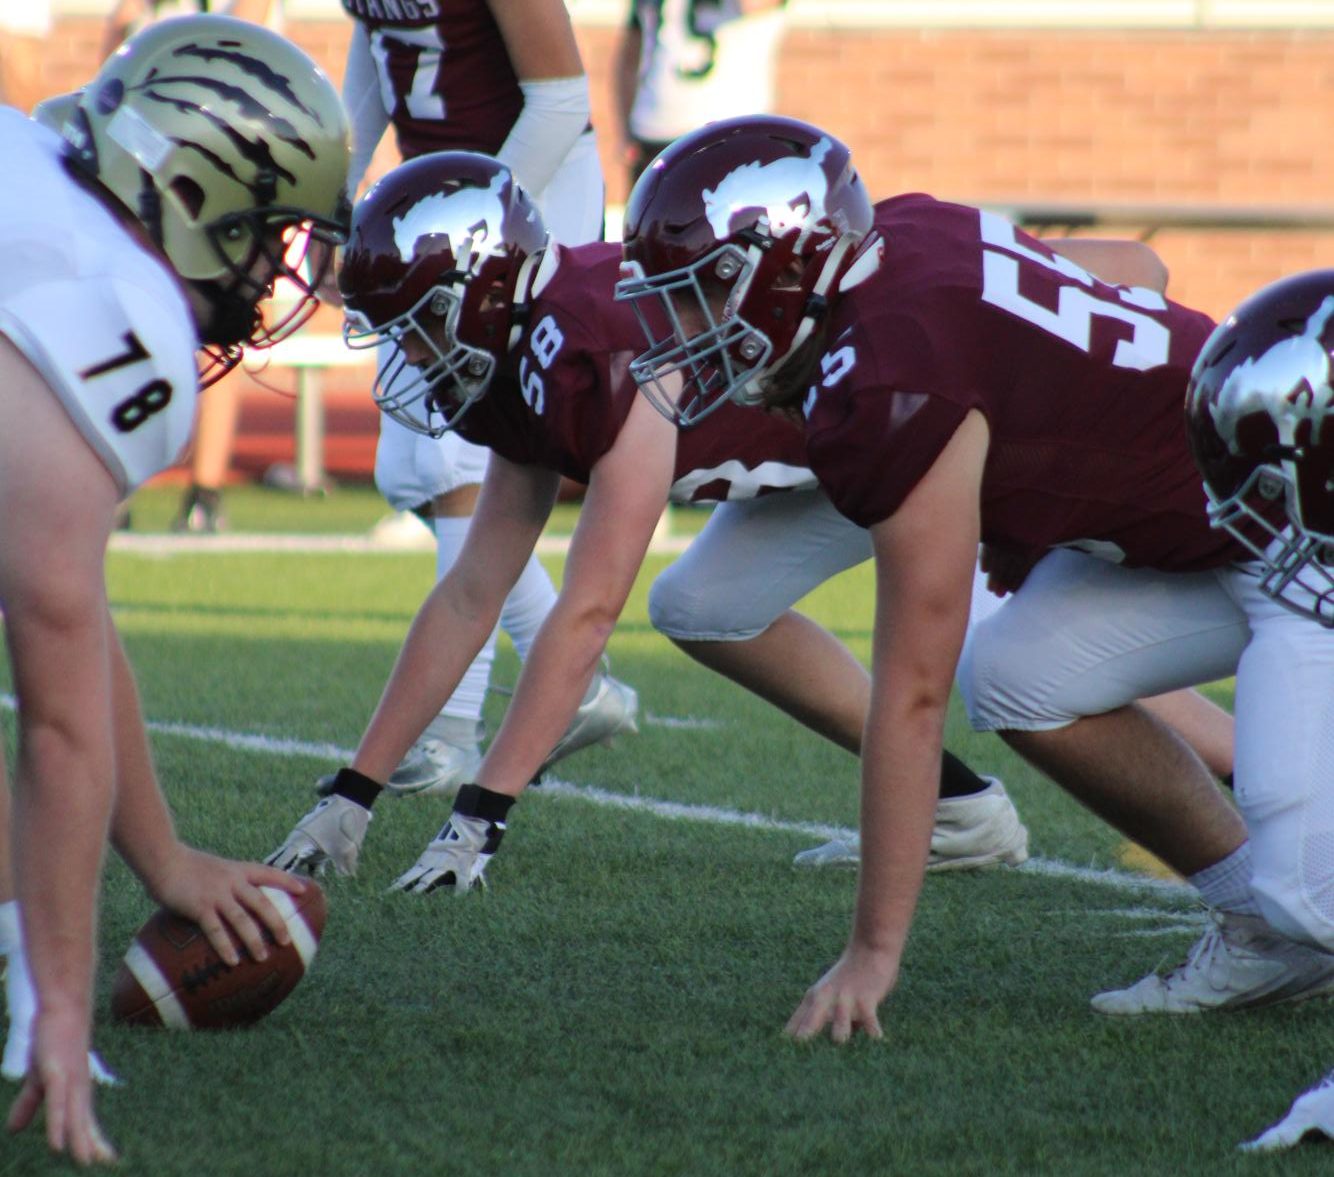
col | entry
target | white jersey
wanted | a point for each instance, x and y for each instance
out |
(27, 18)
(102, 320)
(700, 62)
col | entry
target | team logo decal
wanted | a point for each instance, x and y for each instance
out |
(478, 210)
(1300, 365)
(790, 191)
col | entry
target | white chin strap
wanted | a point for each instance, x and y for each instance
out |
(537, 270)
(842, 247)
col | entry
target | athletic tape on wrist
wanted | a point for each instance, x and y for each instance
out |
(356, 786)
(475, 801)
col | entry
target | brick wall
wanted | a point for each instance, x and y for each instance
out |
(1188, 117)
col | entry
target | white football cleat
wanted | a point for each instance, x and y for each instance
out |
(609, 712)
(982, 829)
(1239, 963)
(442, 759)
(836, 852)
(446, 755)
(332, 832)
(1312, 1112)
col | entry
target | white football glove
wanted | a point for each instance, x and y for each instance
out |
(332, 832)
(455, 857)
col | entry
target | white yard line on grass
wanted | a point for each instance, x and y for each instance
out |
(670, 810)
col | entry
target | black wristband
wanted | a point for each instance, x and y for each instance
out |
(356, 786)
(475, 801)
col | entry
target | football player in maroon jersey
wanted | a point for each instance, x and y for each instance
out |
(522, 348)
(1260, 419)
(507, 80)
(962, 383)
(519, 346)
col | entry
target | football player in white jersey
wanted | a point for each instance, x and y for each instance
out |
(180, 186)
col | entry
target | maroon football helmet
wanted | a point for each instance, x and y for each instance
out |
(1260, 416)
(742, 230)
(438, 269)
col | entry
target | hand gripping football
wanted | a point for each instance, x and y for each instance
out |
(172, 976)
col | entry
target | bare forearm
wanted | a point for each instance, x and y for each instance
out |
(900, 776)
(142, 829)
(441, 644)
(1123, 263)
(624, 77)
(555, 677)
(62, 807)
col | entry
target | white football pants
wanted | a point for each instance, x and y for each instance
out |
(1083, 636)
(755, 559)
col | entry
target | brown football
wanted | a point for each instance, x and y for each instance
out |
(171, 976)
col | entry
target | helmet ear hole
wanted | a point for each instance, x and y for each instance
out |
(190, 194)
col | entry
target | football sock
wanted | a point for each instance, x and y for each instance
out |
(957, 779)
(466, 701)
(20, 998)
(1227, 884)
(526, 607)
(454, 729)
(10, 933)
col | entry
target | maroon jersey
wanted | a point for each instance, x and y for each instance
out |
(445, 74)
(570, 392)
(1082, 385)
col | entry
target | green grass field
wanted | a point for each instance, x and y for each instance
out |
(613, 1003)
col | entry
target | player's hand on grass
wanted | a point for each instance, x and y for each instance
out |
(58, 1081)
(331, 833)
(456, 857)
(224, 898)
(846, 998)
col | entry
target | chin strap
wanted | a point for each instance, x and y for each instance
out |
(817, 302)
(868, 260)
(537, 270)
(150, 208)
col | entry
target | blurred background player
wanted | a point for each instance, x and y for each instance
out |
(505, 79)
(200, 509)
(683, 63)
(148, 224)
(25, 29)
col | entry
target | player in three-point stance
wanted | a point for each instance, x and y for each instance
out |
(519, 345)
(960, 383)
(184, 180)
(505, 79)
